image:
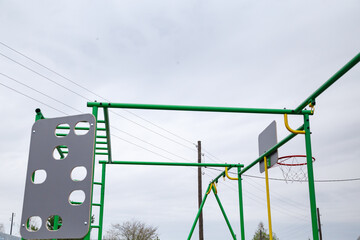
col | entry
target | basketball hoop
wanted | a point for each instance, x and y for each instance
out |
(293, 167)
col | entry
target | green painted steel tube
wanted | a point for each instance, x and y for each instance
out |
(309, 161)
(39, 115)
(95, 113)
(107, 124)
(196, 108)
(224, 214)
(173, 164)
(102, 200)
(198, 213)
(241, 206)
(329, 82)
(278, 145)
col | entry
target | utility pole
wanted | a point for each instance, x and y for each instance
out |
(12, 222)
(319, 223)
(201, 226)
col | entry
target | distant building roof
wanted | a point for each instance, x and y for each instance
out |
(4, 236)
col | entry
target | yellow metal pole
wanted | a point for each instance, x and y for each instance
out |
(268, 197)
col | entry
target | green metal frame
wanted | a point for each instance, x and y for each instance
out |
(103, 143)
(297, 111)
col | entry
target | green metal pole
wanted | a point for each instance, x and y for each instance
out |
(196, 108)
(39, 114)
(329, 82)
(107, 124)
(198, 214)
(224, 214)
(310, 171)
(102, 198)
(173, 164)
(95, 113)
(241, 206)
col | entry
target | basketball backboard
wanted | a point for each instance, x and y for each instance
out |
(268, 139)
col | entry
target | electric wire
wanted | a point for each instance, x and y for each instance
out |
(43, 76)
(153, 145)
(284, 180)
(87, 99)
(54, 99)
(81, 112)
(33, 98)
(90, 91)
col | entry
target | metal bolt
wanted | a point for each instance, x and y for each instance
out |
(23, 225)
(85, 223)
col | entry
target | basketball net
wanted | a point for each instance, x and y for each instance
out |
(294, 168)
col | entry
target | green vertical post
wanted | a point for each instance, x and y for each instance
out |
(315, 229)
(102, 197)
(241, 208)
(198, 214)
(224, 214)
(95, 113)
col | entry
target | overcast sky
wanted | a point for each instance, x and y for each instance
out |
(266, 54)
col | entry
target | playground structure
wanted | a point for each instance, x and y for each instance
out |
(99, 132)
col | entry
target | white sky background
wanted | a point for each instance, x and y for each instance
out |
(268, 54)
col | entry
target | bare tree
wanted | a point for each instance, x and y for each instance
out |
(131, 230)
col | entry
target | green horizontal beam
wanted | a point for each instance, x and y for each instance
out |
(329, 82)
(197, 108)
(271, 150)
(173, 164)
(101, 142)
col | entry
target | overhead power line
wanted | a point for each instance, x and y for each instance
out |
(33, 99)
(87, 89)
(54, 99)
(282, 179)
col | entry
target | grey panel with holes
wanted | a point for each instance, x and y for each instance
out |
(50, 196)
(268, 139)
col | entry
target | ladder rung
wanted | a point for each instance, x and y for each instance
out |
(98, 183)
(101, 142)
(101, 148)
(95, 226)
(101, 153)
(101, 129)
(96, 204)
(101, 136)
(101, 121)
